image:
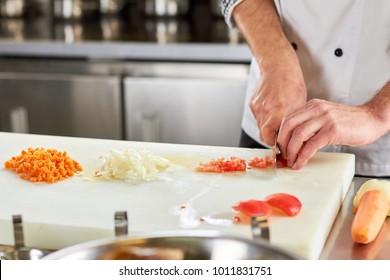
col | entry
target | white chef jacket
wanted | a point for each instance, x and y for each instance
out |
(344, 52)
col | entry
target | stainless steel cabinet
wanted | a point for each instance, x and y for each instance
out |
(61, 104)
(186, 104)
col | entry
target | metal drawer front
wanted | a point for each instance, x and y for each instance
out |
(61, 104)
(184, 110)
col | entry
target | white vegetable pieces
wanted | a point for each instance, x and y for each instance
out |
(132, 165)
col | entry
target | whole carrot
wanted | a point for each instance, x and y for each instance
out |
(372, 205)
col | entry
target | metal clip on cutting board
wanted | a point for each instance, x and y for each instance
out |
(121, 223)
(260, 228)
(20, 251)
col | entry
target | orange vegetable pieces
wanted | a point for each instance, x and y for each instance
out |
(253, 207)
(43, 165)
(372, 211)
(259, 162)
(222, 165)
(285, 202)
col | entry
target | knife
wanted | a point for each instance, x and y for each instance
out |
(275, 151)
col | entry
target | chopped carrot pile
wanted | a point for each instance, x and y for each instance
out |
(43, 165)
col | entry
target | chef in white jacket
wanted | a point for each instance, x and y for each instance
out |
(320, 73)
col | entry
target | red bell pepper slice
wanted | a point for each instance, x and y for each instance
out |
(285, 202)
(253, 207)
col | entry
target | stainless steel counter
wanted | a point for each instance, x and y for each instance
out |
(340, 246)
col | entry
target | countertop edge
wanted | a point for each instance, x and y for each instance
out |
(211, 52)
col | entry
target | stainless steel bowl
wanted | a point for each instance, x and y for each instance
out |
(165, 7)
(69, 9)
(185, 245)
(12, 8)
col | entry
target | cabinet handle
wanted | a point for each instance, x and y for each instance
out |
(150, 127)
(19, 120)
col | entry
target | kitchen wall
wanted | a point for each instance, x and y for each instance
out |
(201, 24)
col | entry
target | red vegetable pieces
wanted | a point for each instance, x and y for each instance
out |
(234, 164)
(222, 165)
(285, 202)
(253, 207)
(261, 162)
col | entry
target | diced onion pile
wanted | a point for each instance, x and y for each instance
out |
(132, 165)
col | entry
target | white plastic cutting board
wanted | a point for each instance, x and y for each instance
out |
(77, 210)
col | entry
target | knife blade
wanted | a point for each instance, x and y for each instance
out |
(275, 151)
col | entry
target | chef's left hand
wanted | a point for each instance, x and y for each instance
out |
(319, 123)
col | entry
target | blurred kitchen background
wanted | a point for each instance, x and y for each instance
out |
(148, 70)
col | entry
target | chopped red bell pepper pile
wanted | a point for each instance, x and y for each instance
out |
(222, 165)
(261, 162)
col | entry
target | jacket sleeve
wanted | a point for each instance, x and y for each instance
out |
(227, 7)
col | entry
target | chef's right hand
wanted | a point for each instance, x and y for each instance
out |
(282, 88)
(280, 91)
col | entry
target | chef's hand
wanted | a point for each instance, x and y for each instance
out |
(282, 88)
(281, 91)
(319, 123)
